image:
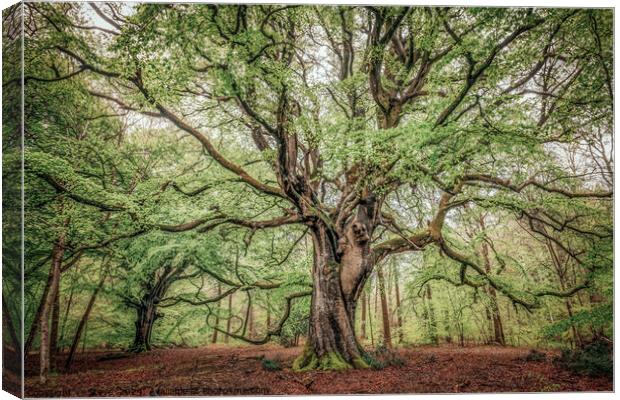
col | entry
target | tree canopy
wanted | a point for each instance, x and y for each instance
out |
(196, 152)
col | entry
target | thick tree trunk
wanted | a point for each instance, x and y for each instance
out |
(44, 351)
(82, 324)
(332, 343)
(147, 314)
(498, 329)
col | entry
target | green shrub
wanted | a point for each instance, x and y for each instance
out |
(535, 355)
(382, 357)
(594, 359)
(271, 365)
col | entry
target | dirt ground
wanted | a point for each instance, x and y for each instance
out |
(220, 370)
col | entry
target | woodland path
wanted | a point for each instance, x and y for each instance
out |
(219, 370)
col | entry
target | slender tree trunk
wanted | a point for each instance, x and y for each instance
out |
(447, 326)
(63, 325)
(229, 320)
(10, 327)
(217, 318)
(82, 324)
(399, 311)
(84, 337)
(489, 333)
(268, 323)
(250, 312)
(55, 323)
(34, 326)
(370, 327)
(363, 322)
(561, 273)
(44, 352)
(432, 323)
(387, 335)
(576, 333)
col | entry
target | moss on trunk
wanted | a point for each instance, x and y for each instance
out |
(332, 361)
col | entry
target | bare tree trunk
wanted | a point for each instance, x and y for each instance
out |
(146, 316)
(399, 312)
(387, 335)
(82, 324)
(432, 323)
(372, 335)
(55, 323)
(10, 327)
(84, 337)
(576, 333)
(489, 331)
(363, 322)
(561, 273)
(498, 327)
(34, 326)
(217, 318)
(63, 325)
(268, 323)
(250, 312)
(44, 352)
(498, 330)
(229, 320)
(332, 343)
(447, 326)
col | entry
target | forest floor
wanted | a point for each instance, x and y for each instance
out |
(225, 370)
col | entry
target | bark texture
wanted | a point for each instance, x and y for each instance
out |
(146, 316)
(340, 269)
(44, 351)
(82, 324)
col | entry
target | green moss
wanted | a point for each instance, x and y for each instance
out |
(332, 361)
(333, 266)
(372, 362)
(359, 363)
(303, 359)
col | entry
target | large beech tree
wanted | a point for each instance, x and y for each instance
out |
(344, 111)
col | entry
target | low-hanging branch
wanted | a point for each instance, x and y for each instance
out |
(275, 331)
(529, 305)
(205, 224)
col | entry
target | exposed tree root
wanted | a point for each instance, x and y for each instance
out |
(331, 361)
